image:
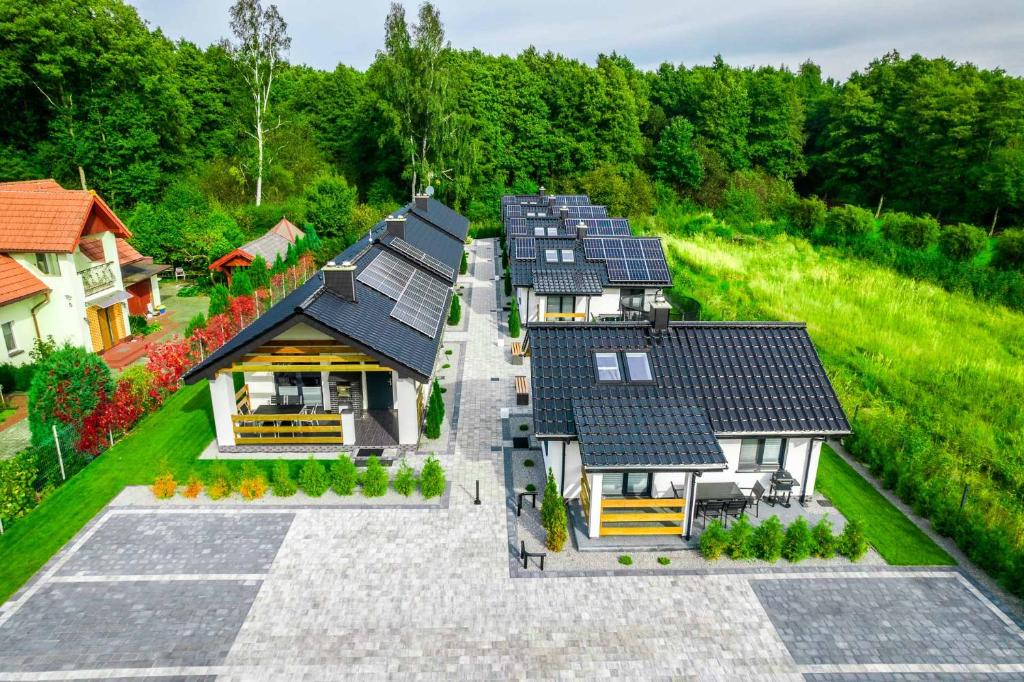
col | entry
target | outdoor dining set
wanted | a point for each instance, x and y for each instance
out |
(722, 500)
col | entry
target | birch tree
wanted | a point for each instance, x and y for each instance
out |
(261, 41)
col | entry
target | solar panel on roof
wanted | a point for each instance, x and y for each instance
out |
(604, 227)
(526, 248)
(587, 211)
(515, 227)
(613, 248)
(617, 270)
(571, 199)
(387, 274)
(423, 258)
(513, 211)
(421, 305)
(593, 249)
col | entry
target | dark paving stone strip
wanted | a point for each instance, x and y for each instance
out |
(134, 624)
(180, 544)
(912, 619)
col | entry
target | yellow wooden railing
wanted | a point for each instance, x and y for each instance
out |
(668, 510)
(565, 316)
(286, 429)
(242, 398)
(585, 497)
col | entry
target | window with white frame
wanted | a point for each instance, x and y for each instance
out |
(568, 256)
(45, 263)
(551, 255)
(552, 231)
(607, 366)
(762, 454)
(638, 365)
(538, 232)
(10, 342)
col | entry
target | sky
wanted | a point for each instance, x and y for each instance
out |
(840, 35)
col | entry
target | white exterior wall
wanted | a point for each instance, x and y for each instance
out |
(261, 387)
(553, 451)
(19, 314)
(222, 393)
(405, 402)
(63, 317)
(605, 304)
(532, 310)
(594, 520)
(795, 461)
(154, 285)
(661, 486)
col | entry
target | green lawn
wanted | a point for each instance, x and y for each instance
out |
(177, 434)
(898, 540)
(6, 412)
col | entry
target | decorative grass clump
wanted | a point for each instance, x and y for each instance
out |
(626, 560)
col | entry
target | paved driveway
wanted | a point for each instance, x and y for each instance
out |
(311, 594)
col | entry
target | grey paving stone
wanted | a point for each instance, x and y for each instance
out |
(914, 677)
(134, 624)
(181, 543)
(886, 620)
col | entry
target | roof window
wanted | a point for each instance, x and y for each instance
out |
(607, 366)
(551, 255)
(639, 367)
(568, 256)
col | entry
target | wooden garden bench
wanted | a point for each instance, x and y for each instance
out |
(522, 391)
(517, 353)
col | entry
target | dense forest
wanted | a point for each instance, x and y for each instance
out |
(165, 130)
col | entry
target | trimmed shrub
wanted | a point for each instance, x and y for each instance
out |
(313, 478)
(435, 411)
(198, 321)
(714, 540)
(806, 216)
(253, 484)
(219, 481)
(741, 537)
(164, 486)
(218, 300)
(913, 232)
(822, 539)
(193, 486)
(464, 265)
(375, 480)
(852, 544)
(281, 483)
(514, 324)
(405, 479)
(553, 516)
(455, 311)
(1010, 250)
(626, 560)
(432, 480)
(962, 242)
(344, 475)
(508, 283)
(664, 560)
(528, 462)
(797, 545)
(17, 478)
(848, 223)
(768, 539)
(68, 385)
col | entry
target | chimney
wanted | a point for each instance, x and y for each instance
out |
(581, 230)
(341, 280)
(421, 201)
(563, 212)
(395, 226)
(659, 313)
(551, 201)
(543, 192)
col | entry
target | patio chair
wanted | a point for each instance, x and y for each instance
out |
(179, 273)
(734, 508)
(756, 493)
(712, 508)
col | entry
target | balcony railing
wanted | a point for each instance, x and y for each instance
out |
(97, 278)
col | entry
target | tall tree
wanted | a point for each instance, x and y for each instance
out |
(414, 67)
(261, 41)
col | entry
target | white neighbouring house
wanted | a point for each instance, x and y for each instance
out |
(570, 262)
(66, 270)
(639, 421)
(345, 360)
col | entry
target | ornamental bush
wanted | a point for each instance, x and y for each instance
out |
(714, 540)
(375, 480)
(241, 284)
(343, 475)
(164, 486)
(768, 539)
(193, 486)
(218, 300)
(852, 543)
(432, 481)
(553, 517)
(281, 483)
(823, 541)
(797, 544)
(455, 311)
(848, 223)
(435, 411)
(67, 387)
(313, 478)
(253, 484)
(806, 216)
(514, 325)
(914, 232)
(219, 481)
(17, 479)
(962, 242)
(1010, 250)
(741, 537)
(405, 479)
(464, 265)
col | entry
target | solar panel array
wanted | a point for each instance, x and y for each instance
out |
(421, 305)
(526, 248)
(515, 227)
(571, 200)
(629, 259)
(388, 274)
(604, 227)
(587, 211)
(513, 211)
(422, 258)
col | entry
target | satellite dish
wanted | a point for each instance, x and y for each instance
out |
(430, 190)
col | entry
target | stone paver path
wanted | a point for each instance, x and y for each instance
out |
(428, 592)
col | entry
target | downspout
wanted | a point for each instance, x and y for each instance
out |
(35, 321)
(807, 467)
(561, 490)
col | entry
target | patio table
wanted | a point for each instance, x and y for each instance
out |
(727, 493)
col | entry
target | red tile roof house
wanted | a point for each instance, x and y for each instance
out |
(270, 245)
(66, 270)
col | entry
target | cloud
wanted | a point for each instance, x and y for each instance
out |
(840, 36)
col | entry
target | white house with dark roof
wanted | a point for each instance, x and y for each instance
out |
(645, 423)
(346, 359)
(571, 262)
